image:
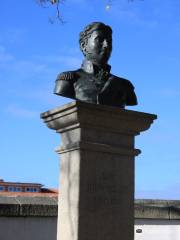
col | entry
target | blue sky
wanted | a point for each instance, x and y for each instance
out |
(146, 50)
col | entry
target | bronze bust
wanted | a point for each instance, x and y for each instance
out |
(93, 82)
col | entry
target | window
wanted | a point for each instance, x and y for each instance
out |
(2, 188)
(11, 189)
(27, 189)
(35, 189)
(32, 189)
(18, 189)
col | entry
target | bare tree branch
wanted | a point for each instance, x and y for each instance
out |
(56, 4)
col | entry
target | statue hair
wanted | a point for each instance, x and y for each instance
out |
(86, 33)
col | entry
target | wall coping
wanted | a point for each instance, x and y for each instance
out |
(157, 209)
(23, 206)
(46, 206)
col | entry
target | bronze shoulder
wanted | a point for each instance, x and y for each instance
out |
(64, 84)
(131, 98)
(128, 89)
(126, 83)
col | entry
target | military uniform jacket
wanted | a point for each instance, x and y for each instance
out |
(97, 86)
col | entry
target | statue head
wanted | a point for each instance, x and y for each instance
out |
(96, 42)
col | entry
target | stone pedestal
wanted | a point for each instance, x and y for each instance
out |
(96, 194)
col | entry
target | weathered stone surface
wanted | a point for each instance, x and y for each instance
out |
(97, 169)
(28, 206)
(160, 209)
(174, 209)
(157, 209)
(98, 117)
(9, 210)
(8, 206)
(151, 209)
(24, 200)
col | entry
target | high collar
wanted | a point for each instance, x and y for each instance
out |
(91, 68)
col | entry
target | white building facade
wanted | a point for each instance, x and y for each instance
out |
(157, 220)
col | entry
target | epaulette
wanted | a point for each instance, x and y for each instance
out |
(67, 76)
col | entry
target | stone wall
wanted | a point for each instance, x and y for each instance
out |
(28, 228)
(27, 218)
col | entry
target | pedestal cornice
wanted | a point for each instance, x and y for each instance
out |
(79, 114)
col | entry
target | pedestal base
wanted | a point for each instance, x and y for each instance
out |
(96, 195)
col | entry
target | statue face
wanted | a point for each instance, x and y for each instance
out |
(98, 48)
